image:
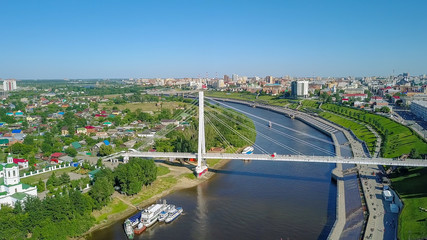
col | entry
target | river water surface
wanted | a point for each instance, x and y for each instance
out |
(255, 200)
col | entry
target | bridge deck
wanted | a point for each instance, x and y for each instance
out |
(286, 158)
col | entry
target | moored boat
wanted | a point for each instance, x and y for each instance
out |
(139, 229)
(173, 215)
(165, 213)
(248, 150)
(150, 215)
(129, 229)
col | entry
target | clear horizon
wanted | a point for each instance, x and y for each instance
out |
(139, 39)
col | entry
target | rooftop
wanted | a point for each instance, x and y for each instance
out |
(19, 196)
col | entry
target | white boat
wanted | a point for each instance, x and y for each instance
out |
(150, 215)
(165, 213)
(173, 215)
(248, 150)
(129, 229)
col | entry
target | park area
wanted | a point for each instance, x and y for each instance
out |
(398, 140)
(411, 187)
(360, 130)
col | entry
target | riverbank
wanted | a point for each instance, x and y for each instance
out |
(158, 190)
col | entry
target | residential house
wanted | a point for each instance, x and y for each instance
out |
(19, 114)
(81, 131)
(101, 135)
(90, 129)
(23, 163)
(55, 156)
(166, 122)
(65, 159)
(107, 124)
(129, 144)
(64, 131)
(147, 133)
(4, 142)
(76, 145)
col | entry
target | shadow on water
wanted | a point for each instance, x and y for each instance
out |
(266, 175)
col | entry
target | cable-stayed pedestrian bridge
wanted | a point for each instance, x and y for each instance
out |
(281, 158)
(215, 118)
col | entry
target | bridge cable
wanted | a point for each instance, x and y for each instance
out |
(275, 130)
(278, 143)
(280, 125)
(236, 132)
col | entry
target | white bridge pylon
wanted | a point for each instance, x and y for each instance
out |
(201, 148)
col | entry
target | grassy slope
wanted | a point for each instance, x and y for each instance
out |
(35, 179)
(162, 170)
(401, 139)
(361, 131)
(113, 207)
(413, 191)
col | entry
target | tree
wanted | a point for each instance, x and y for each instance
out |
(414, 153)
(71, 151)
(105, 150)
(64, 178)
(101, 191)
(41, 186)
(385, 109)
(53, 180)
(99, 163)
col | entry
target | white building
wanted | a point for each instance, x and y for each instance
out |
(299, 88)
(235, 77)
(9, 85)
(11, 189)
(419, 108)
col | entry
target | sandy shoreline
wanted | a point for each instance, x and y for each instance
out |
(182, 183)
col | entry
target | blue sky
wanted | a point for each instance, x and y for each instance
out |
(107, 39)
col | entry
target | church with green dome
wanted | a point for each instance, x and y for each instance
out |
(11, 189)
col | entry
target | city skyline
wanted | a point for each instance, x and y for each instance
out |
(57, 40)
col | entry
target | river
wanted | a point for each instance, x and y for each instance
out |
(256, 200)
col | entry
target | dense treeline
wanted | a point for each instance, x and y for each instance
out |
(59, 217)
(68, 214)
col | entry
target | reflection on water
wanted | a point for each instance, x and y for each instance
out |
(255, 200)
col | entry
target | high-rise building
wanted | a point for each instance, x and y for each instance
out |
(299, 88)
(269, 79)
(235, 77)
(226, 78)
(9, 85)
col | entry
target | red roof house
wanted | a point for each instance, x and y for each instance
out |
(21, 162)
(56, 155)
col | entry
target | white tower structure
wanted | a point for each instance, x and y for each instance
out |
(201, 150)
(11, 174)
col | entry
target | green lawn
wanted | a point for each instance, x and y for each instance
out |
(401, 138)
(113, 207)
(160, 185)
(361, 131)
(310, 104)
(190, 175)
(162, 170)
(412, 188)
(35, 179)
